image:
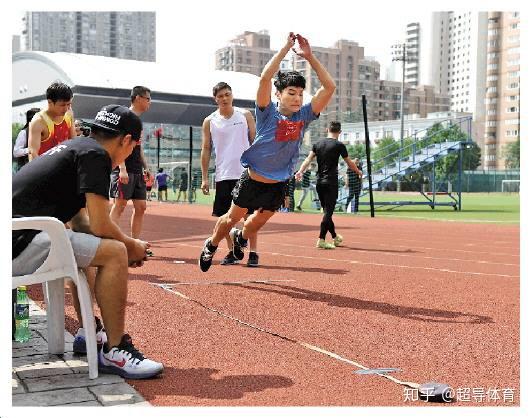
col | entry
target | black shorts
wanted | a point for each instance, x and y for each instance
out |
(223, 197)
(148, 188)
(135, 189)
(162, 188)
(253, 195)
(183, 187)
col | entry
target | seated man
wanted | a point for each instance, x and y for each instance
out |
(69, 182)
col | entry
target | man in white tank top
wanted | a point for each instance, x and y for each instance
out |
(230, 130)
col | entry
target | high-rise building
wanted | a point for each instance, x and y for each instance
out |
(458, 54)
(412, 42)
(502, 100)
(127, 35)
(247, 53)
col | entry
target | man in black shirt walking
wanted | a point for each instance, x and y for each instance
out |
(327, 152)
(70, 182)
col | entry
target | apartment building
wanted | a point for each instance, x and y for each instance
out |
(246, 53)
(502, 122)
(127, 35)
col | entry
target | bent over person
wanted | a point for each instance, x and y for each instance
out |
(271, 159)
(80, 169)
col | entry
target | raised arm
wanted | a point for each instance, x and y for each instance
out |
(323, 95)
(206, 153)
(263, 97)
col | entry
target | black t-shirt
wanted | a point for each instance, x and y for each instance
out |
(133, 163)
(328, 151)
(55, 183)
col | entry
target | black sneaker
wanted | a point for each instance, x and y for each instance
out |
(229, 259)
(253, 259)
(238, 243)
(125, 360)
(208, 251)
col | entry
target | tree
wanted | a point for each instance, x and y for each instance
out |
(357, 151)
(385, 153)
(511, 154)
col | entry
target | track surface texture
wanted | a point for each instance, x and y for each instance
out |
(440, 301)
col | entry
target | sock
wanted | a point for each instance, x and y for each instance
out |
(211, 247)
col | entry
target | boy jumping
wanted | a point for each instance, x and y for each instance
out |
(271, 159)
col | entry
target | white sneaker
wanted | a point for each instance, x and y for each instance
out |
(125, 360)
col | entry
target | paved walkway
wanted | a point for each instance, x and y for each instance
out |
(42, 379)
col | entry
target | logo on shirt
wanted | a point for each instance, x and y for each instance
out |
(287, 130)
(55, 149)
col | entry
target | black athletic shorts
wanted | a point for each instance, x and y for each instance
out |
(135, 189)
(162, 188)
(223, 197)
(253, 195)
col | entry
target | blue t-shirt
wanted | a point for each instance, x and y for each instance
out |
(161, 179)
(274, 153)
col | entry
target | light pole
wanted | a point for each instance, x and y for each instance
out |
(404, 53)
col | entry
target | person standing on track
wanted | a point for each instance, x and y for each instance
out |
(127, 181)
(354, 184)
(231, 131)
(271, 159)
(327, 152)
(53, 125)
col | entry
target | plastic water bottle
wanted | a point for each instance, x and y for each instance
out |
(22, 332)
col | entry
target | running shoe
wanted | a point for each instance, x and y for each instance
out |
(324, 245)
(148, 253)
(337, 241)
(79, 345)
(125, 360)
(238, 243)
(253, 259)
(229, 259)
(205, 260)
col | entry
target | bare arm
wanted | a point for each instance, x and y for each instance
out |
(251, 127)
(304, 165)
(36, 127)
(263, 97)
(206, 153)
(101, 225)
(353, 166)
(72, 133)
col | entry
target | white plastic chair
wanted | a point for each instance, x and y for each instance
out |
(60, 265)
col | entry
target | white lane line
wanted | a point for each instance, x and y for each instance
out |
(372, 264)
(223, 282)
(394, 254)
(289, 339)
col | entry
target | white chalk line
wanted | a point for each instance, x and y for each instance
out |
(289, 339)
(205, 283)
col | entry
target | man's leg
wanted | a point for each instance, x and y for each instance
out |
(111, 287)
(90, 273)
(255, 222)
(137, 217)
(117, 209)
(226, 222)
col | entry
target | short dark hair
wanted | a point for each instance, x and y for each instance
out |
(160, 170)
(289, 79)
(59, 91)
(139, 91)
(220, 86)
(334, 126)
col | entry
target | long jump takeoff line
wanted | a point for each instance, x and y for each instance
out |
(286, 338)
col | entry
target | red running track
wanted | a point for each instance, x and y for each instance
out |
(440, 301)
